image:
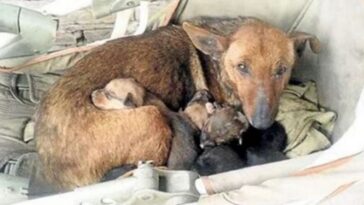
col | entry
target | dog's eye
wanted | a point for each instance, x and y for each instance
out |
(280, 71)
(243, 69)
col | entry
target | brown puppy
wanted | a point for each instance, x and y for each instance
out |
(198, 108)
(74, 138)
(121, 93)
(222, 126)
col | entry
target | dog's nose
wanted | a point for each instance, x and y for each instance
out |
(262, 122)
(262, 117)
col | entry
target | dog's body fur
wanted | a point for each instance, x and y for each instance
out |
(78, 143)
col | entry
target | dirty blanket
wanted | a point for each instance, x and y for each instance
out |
(308, 125)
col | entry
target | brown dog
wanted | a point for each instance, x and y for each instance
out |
(74, 138)
(252, 65)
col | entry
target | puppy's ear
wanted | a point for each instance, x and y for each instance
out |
(205, 141)
(300, 38)
(209, 43)
(217, 106)
(210, 108)
(241, 118)
(129, 101)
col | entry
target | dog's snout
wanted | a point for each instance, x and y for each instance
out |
(260, 122)
(262, 117)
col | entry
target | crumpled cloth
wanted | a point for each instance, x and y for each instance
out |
(337, 182)
(308, 125)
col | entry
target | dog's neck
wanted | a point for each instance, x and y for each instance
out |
(220, 85)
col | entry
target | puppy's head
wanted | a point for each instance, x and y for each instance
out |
(196, 108)
(257, 61)
(102, 99)
(200, 97)
(122, 93)
(223, 125)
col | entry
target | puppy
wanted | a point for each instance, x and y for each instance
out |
(259, 147)
(199, 108)
(218, 159)
(120, 93)
(223, 125)
(263, 146)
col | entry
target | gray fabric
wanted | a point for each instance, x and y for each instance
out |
(103, 8)
(14, 113)
(18, 103)
(280, 13)
(338, 70)
(294, 182)
(11, 149)
(19, 95)
(21, 165)
(33, 38)
(12, 189)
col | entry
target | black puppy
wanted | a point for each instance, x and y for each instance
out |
(259, 147)
(263, 146)
(217, 159)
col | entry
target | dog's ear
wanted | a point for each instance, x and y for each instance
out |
(209, 43)
(300, 38)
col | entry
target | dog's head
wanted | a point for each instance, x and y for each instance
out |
(257, 60)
